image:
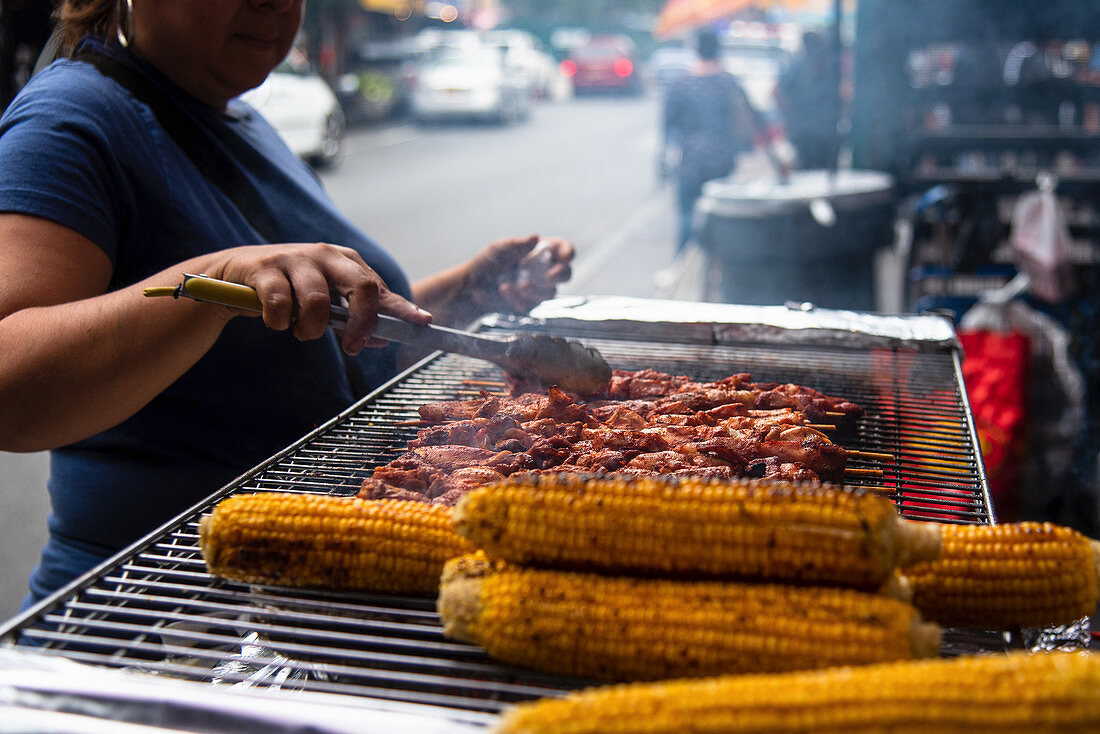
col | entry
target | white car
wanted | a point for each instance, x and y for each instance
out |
(302, 107)
(471, 83)
(523, 50)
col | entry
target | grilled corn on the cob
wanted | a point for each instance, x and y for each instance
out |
(1006, 576)
(1044, 693)
(776, 531)
(386, 546)
(621, 628)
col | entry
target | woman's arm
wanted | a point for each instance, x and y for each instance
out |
(75, 360)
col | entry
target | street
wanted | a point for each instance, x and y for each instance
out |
(582, 169)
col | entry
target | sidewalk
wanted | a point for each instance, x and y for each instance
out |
(638, 259)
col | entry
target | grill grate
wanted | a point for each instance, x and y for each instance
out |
(155, 609)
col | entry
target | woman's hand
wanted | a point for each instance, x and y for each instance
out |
(514, 274)
(297, 283)
(530, 270)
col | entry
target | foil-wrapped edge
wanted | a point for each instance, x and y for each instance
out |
(723, 323)
(49, 693)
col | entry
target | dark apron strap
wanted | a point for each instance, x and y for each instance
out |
(219, 166)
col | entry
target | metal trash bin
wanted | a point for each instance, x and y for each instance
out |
(765, 246)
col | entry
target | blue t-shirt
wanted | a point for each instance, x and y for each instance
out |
(78, 149)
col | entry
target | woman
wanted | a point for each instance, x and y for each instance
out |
(148, 405)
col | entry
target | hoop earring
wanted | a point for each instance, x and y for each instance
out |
(125, 15)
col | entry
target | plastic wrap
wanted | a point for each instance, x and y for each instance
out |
(1055, 397)
(1041, 244)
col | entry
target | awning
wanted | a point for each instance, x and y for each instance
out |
(396, 8)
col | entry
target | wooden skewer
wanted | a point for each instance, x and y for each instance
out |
(823, 427)
(870, 455)
(413, 422)
(863, 472)
(832, 414)
(885, 491)
(484, 383)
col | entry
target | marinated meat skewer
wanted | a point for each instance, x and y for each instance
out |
(647, 423)
(528, 406)
(650, 392)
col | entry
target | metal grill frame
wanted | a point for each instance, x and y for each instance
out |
(153, 608)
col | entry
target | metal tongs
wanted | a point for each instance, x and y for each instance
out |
(548, 359)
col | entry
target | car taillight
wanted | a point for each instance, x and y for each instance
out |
(624, 68)
(568, 68)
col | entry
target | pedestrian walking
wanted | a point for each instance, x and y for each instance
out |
(808, 97)
(707, 122)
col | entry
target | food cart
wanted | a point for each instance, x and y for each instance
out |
(151, 639)
(154, 611)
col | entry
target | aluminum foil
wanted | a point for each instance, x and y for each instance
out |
(48, 693)
(798, 324)
(1073, 637)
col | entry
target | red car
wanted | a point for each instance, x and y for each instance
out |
(604, 63)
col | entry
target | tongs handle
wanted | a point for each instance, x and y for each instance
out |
(203, 288)
(236, 295)
(211, 290)
(551, 359)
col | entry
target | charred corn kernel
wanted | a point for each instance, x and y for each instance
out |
(624, 628)
(779, 531)
(1006, 576)
(1019, 693)
(386, 546)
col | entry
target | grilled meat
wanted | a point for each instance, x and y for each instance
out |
(647, 422)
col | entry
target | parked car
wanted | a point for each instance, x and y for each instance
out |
(526, 52)
(670, 63)
(603, 64)
(469, 83)
(431, 40)
(302, 107)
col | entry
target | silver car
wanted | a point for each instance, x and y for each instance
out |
(469, 83)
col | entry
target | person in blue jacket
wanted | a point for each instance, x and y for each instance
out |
(707, 120)
(149, 405)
